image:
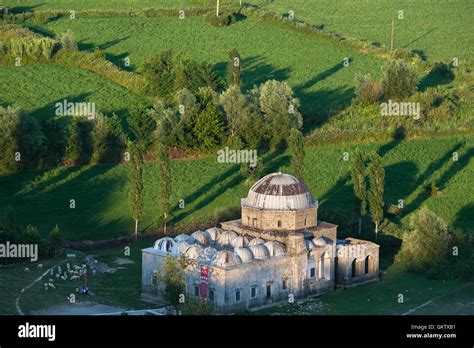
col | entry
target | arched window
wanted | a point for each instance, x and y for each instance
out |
(367, 264)
(353, 268)
(321, 267)
(279, 223)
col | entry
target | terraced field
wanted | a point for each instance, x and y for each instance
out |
(312, 67)
(438, 28)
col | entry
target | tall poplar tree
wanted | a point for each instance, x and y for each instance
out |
(376, 190)
(358, 178)
(136, 183)
(296, 146)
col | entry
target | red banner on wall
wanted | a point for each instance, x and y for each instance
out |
(204, 282)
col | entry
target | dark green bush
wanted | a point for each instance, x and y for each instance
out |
(223, 20)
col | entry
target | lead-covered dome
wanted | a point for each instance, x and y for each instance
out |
(165, 244)
(226, 258)
(279, 191)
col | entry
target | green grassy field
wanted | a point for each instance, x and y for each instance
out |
(311, 66)
(109, 5)
(121, 289)
(210, 189)
(436, 27)
(37, 88)
(420, 296)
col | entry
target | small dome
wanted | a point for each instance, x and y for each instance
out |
(319, 242)
(208, 255)
(279, 191)
(164, 244)
(194, 251)
(240, 241)
(184, 237)
(226, 238)
(214, 233)
(256, 241)
(259, 251)
(201, 237)
(309, 244)
(244, 253)
(226, 258)
(275, 248)
(179, 248)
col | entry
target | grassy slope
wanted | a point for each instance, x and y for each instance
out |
(312, 67)
(36, 88)
(436, 27)
(210, 189)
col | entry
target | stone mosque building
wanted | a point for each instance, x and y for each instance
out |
(278, 250)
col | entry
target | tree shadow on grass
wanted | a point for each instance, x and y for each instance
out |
(319, 77)
(434, 167)
(119, 61)
(464, 219)
(231, 178)
(255, 71)
(22, 9)
(48, 111)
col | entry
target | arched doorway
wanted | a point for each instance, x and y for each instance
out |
(367, 265)
(354, 268)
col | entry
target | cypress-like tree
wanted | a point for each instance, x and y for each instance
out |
(358, 178)
(136, 183)
(376, 189)
(165, 181)
(142, 126)
(56, 239)
(297, 153)
(234, 68)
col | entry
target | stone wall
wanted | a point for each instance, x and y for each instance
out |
(359, 266)
(279, 220)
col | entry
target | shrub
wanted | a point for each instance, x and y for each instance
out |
(223, 20)
(367, 91)
(21, 140)
(427, 244)
(41, 18)
(79, 146)
(394, 210)
(68, 41)
(399, 80)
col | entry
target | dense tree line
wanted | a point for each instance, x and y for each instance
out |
(193, 111)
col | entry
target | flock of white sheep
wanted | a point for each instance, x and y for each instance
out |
(71, 272)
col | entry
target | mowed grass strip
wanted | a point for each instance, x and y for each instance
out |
(210, 189)
(312, 66)
(37, 88)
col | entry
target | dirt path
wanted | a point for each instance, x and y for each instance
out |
(18, 308)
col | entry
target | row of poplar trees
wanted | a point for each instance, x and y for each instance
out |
(373, 195)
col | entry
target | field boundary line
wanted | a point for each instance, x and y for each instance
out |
(434, 299)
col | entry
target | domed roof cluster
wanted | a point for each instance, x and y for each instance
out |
(220, 248)
(279, 191)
